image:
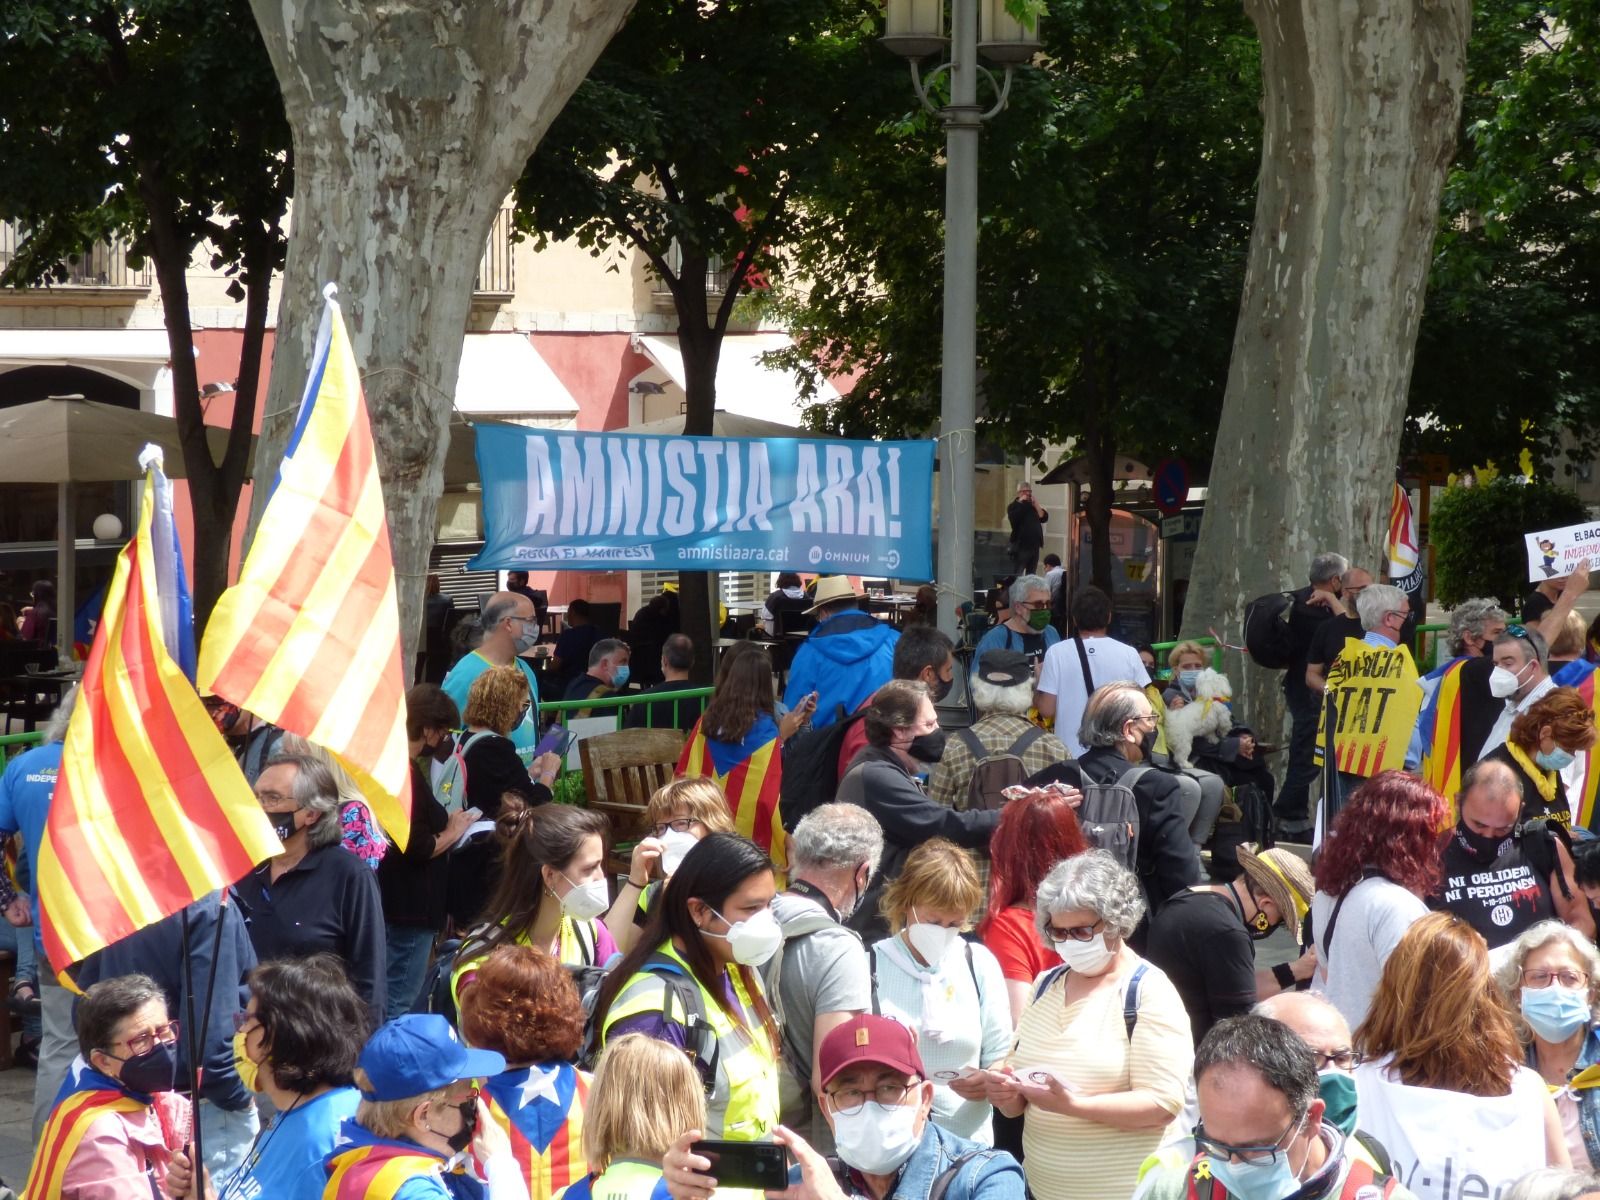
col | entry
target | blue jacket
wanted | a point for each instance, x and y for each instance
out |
(845, 660)
(989, 1175)
(26, 789)
(157, 951)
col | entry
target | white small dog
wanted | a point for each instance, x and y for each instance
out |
(1207, 716)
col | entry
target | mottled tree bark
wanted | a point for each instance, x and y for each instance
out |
(1362, 103)
(412, 119)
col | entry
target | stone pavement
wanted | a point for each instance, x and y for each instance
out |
(16, 1121)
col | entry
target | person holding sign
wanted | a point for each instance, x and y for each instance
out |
(1372, 700)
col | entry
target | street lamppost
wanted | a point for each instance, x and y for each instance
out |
(914, 29)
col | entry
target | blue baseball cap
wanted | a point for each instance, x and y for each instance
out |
(419, 1053)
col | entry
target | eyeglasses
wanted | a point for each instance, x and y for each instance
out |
(677, 825)
(241, 1019)
(1540, 978)
(1266, 1154)
(143, 1043)
(469, 1097)
(848, 1101)
(273, 798)
(1078, 933)
(1345, 1059)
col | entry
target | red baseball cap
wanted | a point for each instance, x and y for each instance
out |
(869, 1039)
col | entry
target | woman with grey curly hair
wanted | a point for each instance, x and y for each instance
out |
(1551, 980)
(1103, 1051)
(1553, 1183)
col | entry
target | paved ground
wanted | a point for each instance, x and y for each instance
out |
(16, 1119)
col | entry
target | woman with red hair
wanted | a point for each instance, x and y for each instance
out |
(1544, 740)
(1379, 861)
(1035, 833)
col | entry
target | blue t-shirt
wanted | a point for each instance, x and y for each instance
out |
(25, 790)
(1003, 637)
(458, 683)
(286, 1162)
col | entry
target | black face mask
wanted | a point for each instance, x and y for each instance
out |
(441, 752)
(156, 1070)
(283, 824)
(1147, 743)
(927, 747)
(1260, 926)
(462, 1138)
(940, 688)
(1477, 845)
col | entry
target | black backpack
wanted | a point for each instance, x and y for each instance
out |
(1266, 630)
(811, 768)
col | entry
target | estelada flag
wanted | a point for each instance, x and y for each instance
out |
(1440, 723)
(150, 810)
(309, 638)
(1402, 540)
(541, 1109)
(749, 772)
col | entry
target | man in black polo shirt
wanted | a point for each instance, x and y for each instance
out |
(1312, 606)
(316, 895)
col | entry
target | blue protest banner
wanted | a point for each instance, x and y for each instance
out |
(619, 501)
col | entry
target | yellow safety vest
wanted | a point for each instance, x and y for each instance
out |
(743, 1106)
(624, 1179)
(577, 943)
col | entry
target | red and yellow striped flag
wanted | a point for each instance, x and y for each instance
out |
(150, 811)
(309, 638)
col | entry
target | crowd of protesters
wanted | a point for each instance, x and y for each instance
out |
(999, 945)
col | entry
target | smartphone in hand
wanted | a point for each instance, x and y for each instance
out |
(763, 1166)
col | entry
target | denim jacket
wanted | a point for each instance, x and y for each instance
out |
(1588, 1098)
(990, 1175)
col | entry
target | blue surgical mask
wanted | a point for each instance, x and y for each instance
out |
(1273, 1180)
(1338, 1091)
(1555, 1013)
(1554, 760)
(1187, 680)
(619, 679)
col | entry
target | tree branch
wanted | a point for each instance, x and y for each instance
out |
(741, 269)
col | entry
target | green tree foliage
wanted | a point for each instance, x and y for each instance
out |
(1116, 196)
(158, 123)
(1476, 533)
(690, 141)
(1508, 354)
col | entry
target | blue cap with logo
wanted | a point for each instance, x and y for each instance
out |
(419, 1053)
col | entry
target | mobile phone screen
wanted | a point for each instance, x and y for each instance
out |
(555, 740)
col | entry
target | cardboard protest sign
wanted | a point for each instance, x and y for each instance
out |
(1375, 700)
(1556, 553)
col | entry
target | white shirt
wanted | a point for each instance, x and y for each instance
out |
(1375, 916)
(1502, 726)
(1110, 661)
(1445, 1145)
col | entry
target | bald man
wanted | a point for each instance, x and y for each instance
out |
(1322, 1027)
(510, 629)
(1500, 876)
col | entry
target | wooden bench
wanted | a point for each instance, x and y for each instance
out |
(622, 770)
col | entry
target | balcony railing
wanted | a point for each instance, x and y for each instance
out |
(497, 270)
(103, 265)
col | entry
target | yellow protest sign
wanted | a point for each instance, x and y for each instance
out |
(1376, 699)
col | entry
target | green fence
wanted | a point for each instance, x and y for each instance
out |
(1162, 649)
(12, 744)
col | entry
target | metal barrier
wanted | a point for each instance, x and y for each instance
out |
(12, 744)
(624, 701)
(1426, 662)
(1161, 649)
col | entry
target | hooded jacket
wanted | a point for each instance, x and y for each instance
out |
(845, 660)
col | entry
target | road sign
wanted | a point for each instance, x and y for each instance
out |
(1171, 482)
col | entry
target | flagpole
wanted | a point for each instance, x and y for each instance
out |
(197, 1163)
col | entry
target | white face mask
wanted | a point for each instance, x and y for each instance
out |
(1087, 958)
(1503, 684)
(586, 901)
(753, 940)
(674, 846)
(931, 941)
(877, 1140)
